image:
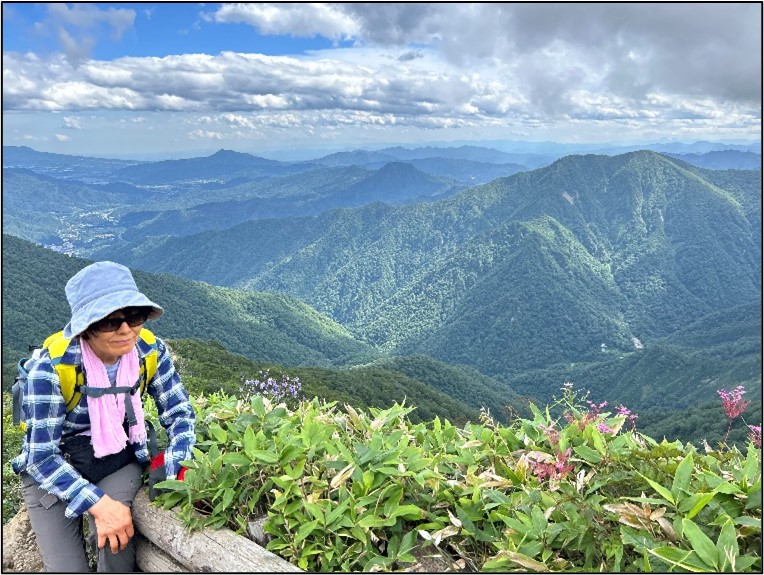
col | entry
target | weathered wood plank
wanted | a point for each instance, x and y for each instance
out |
(206, 550)
(151, 559)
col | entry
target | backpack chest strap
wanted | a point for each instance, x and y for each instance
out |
(96, 392)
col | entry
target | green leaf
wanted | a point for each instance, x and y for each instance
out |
(701, 543)
(538, 417)
(374, 521)
(236, 458)
(662, 491)
(408, 542)
(539, 521)
(754, 496)
(599, 442)
(587, 454)
(259, 455)
(218, 433)
(172, 485)
(727, 546)
(695, 503)
(748, 521)
(249, 442)
(315, 511)
(745, 563)
(228, 496)
(409, 512)
(681, 558)
(682, 477)
(337, 512)
(752, 468)
(377, 563)
(257, 405)
(305, 530)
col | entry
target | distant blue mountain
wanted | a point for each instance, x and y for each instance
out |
(224, 166)
(723, 160)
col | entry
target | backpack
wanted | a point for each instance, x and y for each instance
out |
(72, 377)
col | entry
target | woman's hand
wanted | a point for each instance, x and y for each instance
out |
(114, 522)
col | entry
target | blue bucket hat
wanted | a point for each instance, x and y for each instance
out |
(99, 290)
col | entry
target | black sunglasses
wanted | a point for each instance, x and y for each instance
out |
(134, 317)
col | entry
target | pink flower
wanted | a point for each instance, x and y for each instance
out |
(552, 434)
(552, 470)
(733, 401)
(733, 405)
(755, 435)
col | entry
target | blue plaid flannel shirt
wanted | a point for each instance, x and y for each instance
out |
(44, 411)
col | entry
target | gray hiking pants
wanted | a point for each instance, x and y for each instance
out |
(61, 540)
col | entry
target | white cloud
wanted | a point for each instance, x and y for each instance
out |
(72, 123)
(296, 19)
(62, 138)
(205, 134)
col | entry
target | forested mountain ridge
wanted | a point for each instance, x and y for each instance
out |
(264, 326)
(235, 335)
(527, 271)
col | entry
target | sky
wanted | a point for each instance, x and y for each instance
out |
(141, 80)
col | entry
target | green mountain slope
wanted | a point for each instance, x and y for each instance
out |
(207, 367)
(463, 383)
(722, 350)
(534, 277)
(590, 250)
(264, 326)
(238, 334)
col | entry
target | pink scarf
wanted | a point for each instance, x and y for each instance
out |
(108, 411)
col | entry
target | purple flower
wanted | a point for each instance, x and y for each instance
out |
(277, 390)
(625, 412)
(601, 427)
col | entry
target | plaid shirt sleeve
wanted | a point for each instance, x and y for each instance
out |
(175, 411)
(44, 411)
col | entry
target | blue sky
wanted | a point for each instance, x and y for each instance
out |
(184, 79)
(157, 30)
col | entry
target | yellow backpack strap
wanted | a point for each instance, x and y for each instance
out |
(149, 361)
(70, 376)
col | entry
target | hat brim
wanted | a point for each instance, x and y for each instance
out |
(100, 308)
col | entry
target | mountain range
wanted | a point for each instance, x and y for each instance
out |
(594, 268)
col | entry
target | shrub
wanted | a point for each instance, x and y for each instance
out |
(349, 490)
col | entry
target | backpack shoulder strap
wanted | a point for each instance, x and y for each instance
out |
(70, 376)
(149, 360)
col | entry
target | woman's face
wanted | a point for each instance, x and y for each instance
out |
(109, 346)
